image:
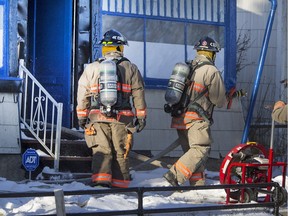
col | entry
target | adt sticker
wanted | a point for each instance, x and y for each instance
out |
(30, 159)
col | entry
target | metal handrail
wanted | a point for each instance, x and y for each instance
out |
(40, 114)
(140, 191)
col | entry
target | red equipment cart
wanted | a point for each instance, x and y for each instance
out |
(248, 164)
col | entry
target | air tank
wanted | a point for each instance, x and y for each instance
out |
(176, 83)
(108, 84)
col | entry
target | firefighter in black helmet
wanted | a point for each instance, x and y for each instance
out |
(205, 91)
(208, 47)
(109, 131)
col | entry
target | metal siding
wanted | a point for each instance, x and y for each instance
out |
(9, 124)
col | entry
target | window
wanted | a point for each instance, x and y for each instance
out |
(155, 46)
(163, 32)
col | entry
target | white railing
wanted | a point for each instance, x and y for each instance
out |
(41, 114)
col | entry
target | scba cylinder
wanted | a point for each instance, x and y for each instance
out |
(108, 84)
(176, 83)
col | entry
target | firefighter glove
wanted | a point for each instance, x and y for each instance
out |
(278, 104)
(140, 124)
(240, 93)
(233, 93)
(82, 122)
(284, 82)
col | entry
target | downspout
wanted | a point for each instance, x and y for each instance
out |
(260, 69)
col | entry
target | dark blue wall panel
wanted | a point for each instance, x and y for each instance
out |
(52, 50)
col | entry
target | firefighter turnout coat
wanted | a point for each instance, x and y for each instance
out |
(193, 126)
(109, 135)
(280, 111)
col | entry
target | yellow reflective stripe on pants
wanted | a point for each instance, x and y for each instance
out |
(101, 177)
(183, 169)
(120, 183)
(197, 177)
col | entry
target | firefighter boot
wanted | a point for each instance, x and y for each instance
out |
(170, 177)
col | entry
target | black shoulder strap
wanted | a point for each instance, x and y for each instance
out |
(122, 59)
(100, 60)
(195, 65)
(199, 64)
(117, 61)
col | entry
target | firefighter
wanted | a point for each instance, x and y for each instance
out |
(280, 111)
(108, 128)
(205, 91)
(280, 108)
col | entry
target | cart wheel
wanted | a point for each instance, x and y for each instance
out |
(239, 154)
(247, 196)
(282, 196)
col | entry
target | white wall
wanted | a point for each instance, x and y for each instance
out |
(226, 130)
(252, 17)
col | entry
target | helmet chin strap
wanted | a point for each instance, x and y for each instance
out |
(214, 57)
(120, 48)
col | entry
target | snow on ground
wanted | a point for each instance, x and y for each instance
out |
(123, 201)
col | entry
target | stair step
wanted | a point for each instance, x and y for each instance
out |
(67, 158)
(70, 148)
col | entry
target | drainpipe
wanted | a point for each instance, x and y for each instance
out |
(260, 68)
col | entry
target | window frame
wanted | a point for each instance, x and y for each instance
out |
(225, 16)
(5, 50)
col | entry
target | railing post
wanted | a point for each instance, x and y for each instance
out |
(140, 201)
(58, 136)
(21, 75)
(60, 203)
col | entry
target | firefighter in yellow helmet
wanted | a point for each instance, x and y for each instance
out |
(205, 91)
(105, 112)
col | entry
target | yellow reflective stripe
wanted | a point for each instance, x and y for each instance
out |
(183, 169)
(107, 42)
(94, 88)
(126, 88)
(126, 112)
(101, 177)
(82, 113)
(192, 115)
(141, 112)
(197, 176)
(120, 183)
(198, 87)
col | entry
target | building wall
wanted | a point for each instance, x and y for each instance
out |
(252, 17)
(226, 130)
(229, 124)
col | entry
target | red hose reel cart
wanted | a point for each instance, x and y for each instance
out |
(251, 164)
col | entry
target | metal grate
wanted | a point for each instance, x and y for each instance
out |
(205, 10)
